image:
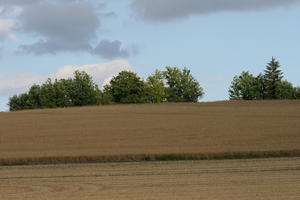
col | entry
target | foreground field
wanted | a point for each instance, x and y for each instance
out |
(220, 127)
(264, 179)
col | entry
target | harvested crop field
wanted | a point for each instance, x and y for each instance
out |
(121, 130)
(262, 179)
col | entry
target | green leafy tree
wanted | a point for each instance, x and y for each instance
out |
(235, 91)
(297, 92)
(34, 97)
(61, 89)
(51, 94)
(78, 91)
(82, 90)
(20, 102)
(106, 98)
(156, 92)
(127, 87)
(285, 90)
(14, 103)
(47, 95)
(273, 76)
(182, 86)
(265, 86)
(244, 87)
(260, 87)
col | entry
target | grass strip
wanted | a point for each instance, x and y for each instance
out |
(150, 157)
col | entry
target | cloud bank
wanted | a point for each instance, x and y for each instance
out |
(110, 49)
(63, 27)
(19, 2)
(59, 26)
(101, 73)
(166, 10)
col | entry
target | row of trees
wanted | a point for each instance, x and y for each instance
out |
(77, 91)
(170, 85)
(269, 85)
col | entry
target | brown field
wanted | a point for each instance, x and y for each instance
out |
(153, 132)
(263, 179)
(131, 130)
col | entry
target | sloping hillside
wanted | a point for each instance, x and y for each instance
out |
(219, 127)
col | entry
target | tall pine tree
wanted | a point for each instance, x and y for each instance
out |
(273, 76)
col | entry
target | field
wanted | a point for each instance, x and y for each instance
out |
(75, 153)
(114, 132)
(263, 179)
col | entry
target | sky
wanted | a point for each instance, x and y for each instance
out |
(215, 39)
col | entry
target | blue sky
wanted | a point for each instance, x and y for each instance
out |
(216, 39)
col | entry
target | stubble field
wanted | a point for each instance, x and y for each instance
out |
(116, 131)
(263, 179)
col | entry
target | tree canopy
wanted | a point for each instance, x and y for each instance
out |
(244, 87)
(77, 91)
(171, 85)
(156, 90)
(273, 76)
(181, 85)
(127, 87)
(264, 86)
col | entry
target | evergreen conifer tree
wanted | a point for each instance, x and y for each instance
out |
(273, 76)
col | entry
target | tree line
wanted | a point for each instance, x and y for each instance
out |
(170, 85)
(267, 85)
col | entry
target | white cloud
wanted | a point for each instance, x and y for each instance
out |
(101, 73)
(18, 83)
(1, 10)
(10, 11)
(6, 25)
(15, 11)
(8, 21)
(74, 26)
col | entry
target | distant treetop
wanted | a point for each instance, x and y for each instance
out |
(264, 86)
(171, 85)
